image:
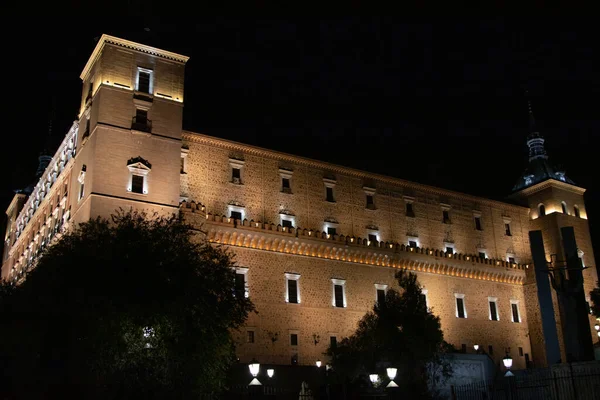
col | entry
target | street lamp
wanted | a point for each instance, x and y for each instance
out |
(391, 373)
(507, 361)
(254, 367)
(318, 363)
(374, 378)
(597, 327)
(476, 347)
(270, 372)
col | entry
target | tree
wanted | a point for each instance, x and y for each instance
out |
(399, 332)
(135, 307)
(595, 300)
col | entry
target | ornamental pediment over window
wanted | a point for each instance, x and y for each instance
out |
(138, 164)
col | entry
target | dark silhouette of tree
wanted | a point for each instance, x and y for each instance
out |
(135, 307)
(595, 300)
(400, 332)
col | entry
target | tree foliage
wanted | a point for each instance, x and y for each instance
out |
(135, 307)
(400, 332)
(595, 300)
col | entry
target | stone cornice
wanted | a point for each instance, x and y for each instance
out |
(549, 183)
(272, 154)
(107, 39)
(257, 236)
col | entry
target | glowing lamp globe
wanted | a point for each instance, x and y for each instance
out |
(270, 372)
(254, 368)
(507, 361)
(476, 347)
(318, 363)
(391, 373)
(374, 378)
(597, 327)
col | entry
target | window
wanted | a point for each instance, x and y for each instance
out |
(236, 215)
(514, 305)
(144, 81)
(463, 348)
(137, 184)
(380, 296)
(183, 162)
(250, 336)
(564, 207)
(491, 350)
(370, 202)
(449, 249)
(285, 185)
(329, 185)
(521, 351)
(81, 180)
(409, 210)
(482, 255)
(446, 216)
(372, 237)
(287, 223)
(294, 339)
(329, 194)
(380, 293)
(424, 297)
(541, 210)
(339, 294)
(507, 231)
(331, 230)
(461, 312)
(241, 285)
(511, 260)
(292, 290)
(412, 243)
(576, 211)
(236, 176)
(493, 303)
(333, 342)
(478, 223)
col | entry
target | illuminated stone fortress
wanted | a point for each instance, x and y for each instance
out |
(316, 244)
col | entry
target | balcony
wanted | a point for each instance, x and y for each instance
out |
(141, 124)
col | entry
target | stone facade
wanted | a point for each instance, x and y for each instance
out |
(286, 216)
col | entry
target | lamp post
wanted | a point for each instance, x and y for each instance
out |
(476, 347)
(254, 367)
(374, 378)
(507, 361)
(318, 363)
(391, 373)
(270, 372)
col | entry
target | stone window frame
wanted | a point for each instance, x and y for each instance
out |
(137, 79)
(253, 330)
(510, 255)
(369, 191)
(240, 209)
(476, 216)
(330, 224)
(81, 180)
(492, 299)
(139, 169)
(411, 238)
(292, 277)
(507, 225)
(184, 156)
(294, 332)
(446, 209)
(287, 217)
(286, 174)
(236, 164)
(576, 211)
(482, 250)
(450, 244)
(380, 286)
(464, 304)
(425, 292)
(244, 271)
(512, 316)
(371, 231)
(539, 210)
(564, 208)
(342, 283)
(329, 183)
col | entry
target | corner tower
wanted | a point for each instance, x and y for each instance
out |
(555, 202)
(130, 123)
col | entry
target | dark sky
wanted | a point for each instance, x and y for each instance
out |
(439, 103)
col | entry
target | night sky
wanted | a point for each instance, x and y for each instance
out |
(441, 104)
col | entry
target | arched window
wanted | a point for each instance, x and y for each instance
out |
(541, 210)
(564, 207)
(576, 209)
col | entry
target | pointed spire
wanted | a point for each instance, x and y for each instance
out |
(535, 141)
